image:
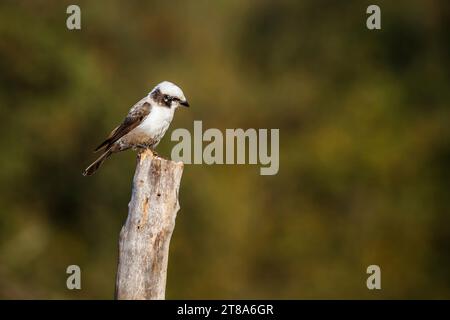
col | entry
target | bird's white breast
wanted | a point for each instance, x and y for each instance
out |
(155, 124)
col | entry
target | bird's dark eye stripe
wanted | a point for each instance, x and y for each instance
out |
(169, 98)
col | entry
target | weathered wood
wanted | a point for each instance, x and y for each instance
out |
(145, 236)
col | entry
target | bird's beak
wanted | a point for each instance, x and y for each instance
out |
(184, 103)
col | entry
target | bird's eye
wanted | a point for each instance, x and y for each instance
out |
(166, 98)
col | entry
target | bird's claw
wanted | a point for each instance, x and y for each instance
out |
(143, 147)
(155, 153)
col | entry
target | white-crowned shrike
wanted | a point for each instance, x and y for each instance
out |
(145, 124)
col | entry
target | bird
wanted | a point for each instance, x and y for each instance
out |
(145, 124)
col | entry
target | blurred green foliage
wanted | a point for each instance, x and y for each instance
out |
(364, 145)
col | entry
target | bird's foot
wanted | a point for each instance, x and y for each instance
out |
(155, 153)
(143, 147)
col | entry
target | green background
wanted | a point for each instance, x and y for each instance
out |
(364, 145)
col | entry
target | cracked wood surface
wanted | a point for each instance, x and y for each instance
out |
(145, 237)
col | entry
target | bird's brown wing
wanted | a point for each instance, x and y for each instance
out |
(137, 113)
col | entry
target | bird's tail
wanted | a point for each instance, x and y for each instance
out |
(97, 163)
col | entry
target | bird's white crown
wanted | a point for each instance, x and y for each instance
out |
(170, 89)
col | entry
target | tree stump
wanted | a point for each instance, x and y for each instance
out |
(145, 237)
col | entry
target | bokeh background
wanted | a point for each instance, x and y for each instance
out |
(364, 145)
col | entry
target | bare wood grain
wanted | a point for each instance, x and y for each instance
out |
(145, 237)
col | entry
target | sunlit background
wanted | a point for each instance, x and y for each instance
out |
(364, 145)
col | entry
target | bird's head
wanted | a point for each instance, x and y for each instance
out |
(167, 94)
